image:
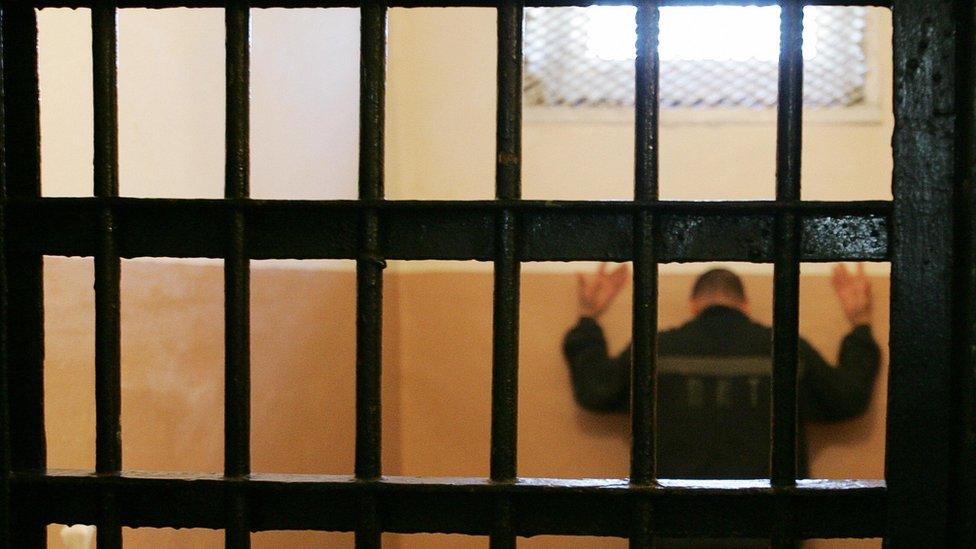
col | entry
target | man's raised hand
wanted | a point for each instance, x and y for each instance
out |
(597, 291)
(854, 293)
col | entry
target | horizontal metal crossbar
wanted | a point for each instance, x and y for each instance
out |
(460, 505)
(552, 231)
(430, 3)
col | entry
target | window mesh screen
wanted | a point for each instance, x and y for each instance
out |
(710, 56)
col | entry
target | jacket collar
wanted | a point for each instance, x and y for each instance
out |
(721, 311)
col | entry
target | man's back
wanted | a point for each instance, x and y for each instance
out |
(714, 378)
(713, 394)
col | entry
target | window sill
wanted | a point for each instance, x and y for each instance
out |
(866, 114)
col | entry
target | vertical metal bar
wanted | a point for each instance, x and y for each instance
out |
(508, 187)
(237, 328)
(920, 428)
(370, 264)
(786, 268)
(962, 503)
(5, 508)
(643, 457)
(505, 329)
(25, 283)
(108, 405)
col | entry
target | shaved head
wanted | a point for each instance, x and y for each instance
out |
(719, 283)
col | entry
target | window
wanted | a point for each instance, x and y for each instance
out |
(714, 56)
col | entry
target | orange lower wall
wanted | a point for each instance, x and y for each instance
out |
(302, 386)
(437, 348)
(446, 380)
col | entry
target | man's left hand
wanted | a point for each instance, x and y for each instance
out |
(854, 293)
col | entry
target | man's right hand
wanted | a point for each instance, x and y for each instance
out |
(597, 291)
(854, 293)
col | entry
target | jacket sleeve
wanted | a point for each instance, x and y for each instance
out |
(834, 394)
(600, 382)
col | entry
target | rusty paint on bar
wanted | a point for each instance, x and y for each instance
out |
(786, 267)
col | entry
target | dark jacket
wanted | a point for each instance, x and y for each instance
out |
(825, 393)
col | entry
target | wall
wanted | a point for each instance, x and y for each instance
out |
(446, 376)
(437, 343)
(437, 330)
(305, 97)
(441, 123)
(302, 375)
(442, 100)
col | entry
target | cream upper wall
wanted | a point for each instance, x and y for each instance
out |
(440, 119)
(442, 105)
(304, 115)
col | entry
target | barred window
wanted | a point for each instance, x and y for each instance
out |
(716, 56)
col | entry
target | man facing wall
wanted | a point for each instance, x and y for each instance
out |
(714, 374)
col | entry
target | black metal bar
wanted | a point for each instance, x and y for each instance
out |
(786, 269)
(370, 264)
(644, 327)
(237, 330)
(108, 384)
(5, 508)
(552, 231)
(437, 3)
(507, 283)
(962, 482)
(919, 432)
(826, 509)
(506, 302)
(25, 290)
(107, 351)
(643, 409)
(504, 387)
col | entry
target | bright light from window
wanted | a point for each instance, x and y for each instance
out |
(721, 33)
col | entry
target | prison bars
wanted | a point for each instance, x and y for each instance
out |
(925, 144)
(962, 503)
(25, 365)
(505, 308)
(786, 268)
(4, 387)
(370, 264)
(108, 405)
(453, 230)
(869, 220)
(643, 399)
(237, 354)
